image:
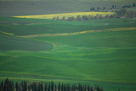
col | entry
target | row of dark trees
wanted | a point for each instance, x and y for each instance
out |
(85, 17)
(97, 9)
(112, 7)
(129, 6)
(8, 85)
(103, 8)
(126, 14)
(123, 13)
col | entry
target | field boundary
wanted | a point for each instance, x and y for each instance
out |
(42, 78)
(77, 33)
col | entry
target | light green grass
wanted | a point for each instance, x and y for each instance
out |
(106, 58)
(40, 26)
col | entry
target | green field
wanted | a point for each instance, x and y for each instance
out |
(105, 56)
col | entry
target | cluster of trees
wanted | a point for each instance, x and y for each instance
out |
(8, 85)
(103, 8)
(125, 14)
(122, 13)
(129, 6)
(112, 7)
(97, 9)
(85, 17)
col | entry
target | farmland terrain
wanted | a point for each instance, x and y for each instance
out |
(81, 45)
(91, 52)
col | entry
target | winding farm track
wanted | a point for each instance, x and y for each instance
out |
(77, 33)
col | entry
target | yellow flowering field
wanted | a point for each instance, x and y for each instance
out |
(50, 16)
(122, 29)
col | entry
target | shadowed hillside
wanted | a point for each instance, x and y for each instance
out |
(16, 43)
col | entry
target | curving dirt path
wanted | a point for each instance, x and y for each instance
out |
(77, 33)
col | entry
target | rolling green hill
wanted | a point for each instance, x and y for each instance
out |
(91, 52)
(105, 56)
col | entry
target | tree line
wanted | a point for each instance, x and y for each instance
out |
(8, 85)
(112, 7)
(129, 6)
(101, 9)
(122, 13)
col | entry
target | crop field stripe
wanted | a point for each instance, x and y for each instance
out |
(77, 33)
(50, 16)
(6, 33)
(58, 34)
(122, 29)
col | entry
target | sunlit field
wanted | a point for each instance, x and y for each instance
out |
(90, 52)
(50, 16)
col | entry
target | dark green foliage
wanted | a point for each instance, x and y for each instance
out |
(34, 86)
(45, 88)
(59, 86)
(65, 89)
(98, 88)
(84, 18)
(71, 18)
(24, 86)
(52, 86)
(63, 18)
(121, 12)
(78, 18)
(7, 85)
(98, 8)
(129, 6)
(113, 7)
(2, 86)
(102, 89)
(56, 88)
(57, 18)
(49, 87)
(17, 86)
(103, 8)
(134, 5)
(41, 87)
(85, 88)
(29, 88)
(62, 87)
(92, 9)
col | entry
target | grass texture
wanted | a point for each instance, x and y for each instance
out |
(104, 56)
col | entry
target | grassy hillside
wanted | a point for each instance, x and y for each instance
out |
(14, 43)
(105, 56)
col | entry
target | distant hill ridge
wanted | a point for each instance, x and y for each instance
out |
(32, 7)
